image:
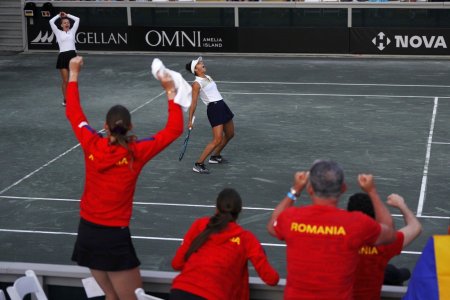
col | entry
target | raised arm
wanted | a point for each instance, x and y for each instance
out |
(151, 146)
(413, 227)
(74, 112)
(382, 214)
(76, 22)
(52, 23)
(300, 181)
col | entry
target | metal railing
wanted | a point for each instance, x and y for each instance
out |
(154, 281)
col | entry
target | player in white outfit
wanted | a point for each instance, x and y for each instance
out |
(219, 115)
(66, 42)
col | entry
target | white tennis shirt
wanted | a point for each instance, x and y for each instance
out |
(66, 40)
(208, 90)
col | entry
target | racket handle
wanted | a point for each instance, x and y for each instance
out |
(193, 120)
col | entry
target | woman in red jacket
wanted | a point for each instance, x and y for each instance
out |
(214, 255)
(112, 165)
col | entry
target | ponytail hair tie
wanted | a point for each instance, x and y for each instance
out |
(119, 128)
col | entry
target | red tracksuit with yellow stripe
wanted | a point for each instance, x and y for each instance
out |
(111, 172)
(218, 269)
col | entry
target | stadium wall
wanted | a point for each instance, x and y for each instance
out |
(403, 28)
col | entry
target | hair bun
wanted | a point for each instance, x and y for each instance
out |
(119, 129)
(188, 67)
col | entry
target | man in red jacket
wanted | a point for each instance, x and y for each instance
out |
(322, 240)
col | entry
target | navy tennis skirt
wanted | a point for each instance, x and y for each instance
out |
(219, 113)
(176, 294)
(104, 248)
(64, 59)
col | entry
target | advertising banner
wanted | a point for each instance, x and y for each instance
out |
(183, 39)
(293, 40)
(399, 41)
(87, 38)
(250, 40)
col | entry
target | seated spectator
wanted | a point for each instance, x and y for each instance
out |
(395, 276)
(214, 255)
(372, 266)
(323, 240)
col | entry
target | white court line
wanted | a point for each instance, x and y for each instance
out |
(135, 203)
(64, 153)
(336, 83)
(37, 231)
(412, 252)
(440, 143)
(423, 187)
(37, 170)
(140, 237)
(181, 205)
(330, 95)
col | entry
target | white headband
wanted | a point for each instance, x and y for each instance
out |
(194, 63)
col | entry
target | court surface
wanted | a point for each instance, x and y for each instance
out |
(389, 117)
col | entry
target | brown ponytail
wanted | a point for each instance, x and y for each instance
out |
(118, 120)
(229, 205)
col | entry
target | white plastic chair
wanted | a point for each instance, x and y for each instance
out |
(141, 295)
(2, 295)
(28, 284)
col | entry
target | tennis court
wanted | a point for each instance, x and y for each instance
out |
(389, 117)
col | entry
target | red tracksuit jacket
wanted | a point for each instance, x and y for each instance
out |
(111, 172)
(218, 270)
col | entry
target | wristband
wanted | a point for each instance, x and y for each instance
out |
(294, 192)
(291, 196)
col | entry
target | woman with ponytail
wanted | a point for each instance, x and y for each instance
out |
(214, 255)
(112, 166)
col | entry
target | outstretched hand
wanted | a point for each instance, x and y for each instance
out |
(168, 84)
(75, 64)
(366, 182)
(300, 181)
(395, 200)
(75, 67)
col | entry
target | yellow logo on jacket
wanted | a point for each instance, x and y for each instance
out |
(123, 161)
(236, 240)
(317, 229)
(368, 250)
(91, 157)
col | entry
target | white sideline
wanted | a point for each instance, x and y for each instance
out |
(423, 187)
(140, 237)
(180, 205)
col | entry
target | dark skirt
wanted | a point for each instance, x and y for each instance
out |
(176, 294)
(219, 113)
(104, 248)
(64, 59)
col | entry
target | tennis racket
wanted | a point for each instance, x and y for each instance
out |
(186, 140)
